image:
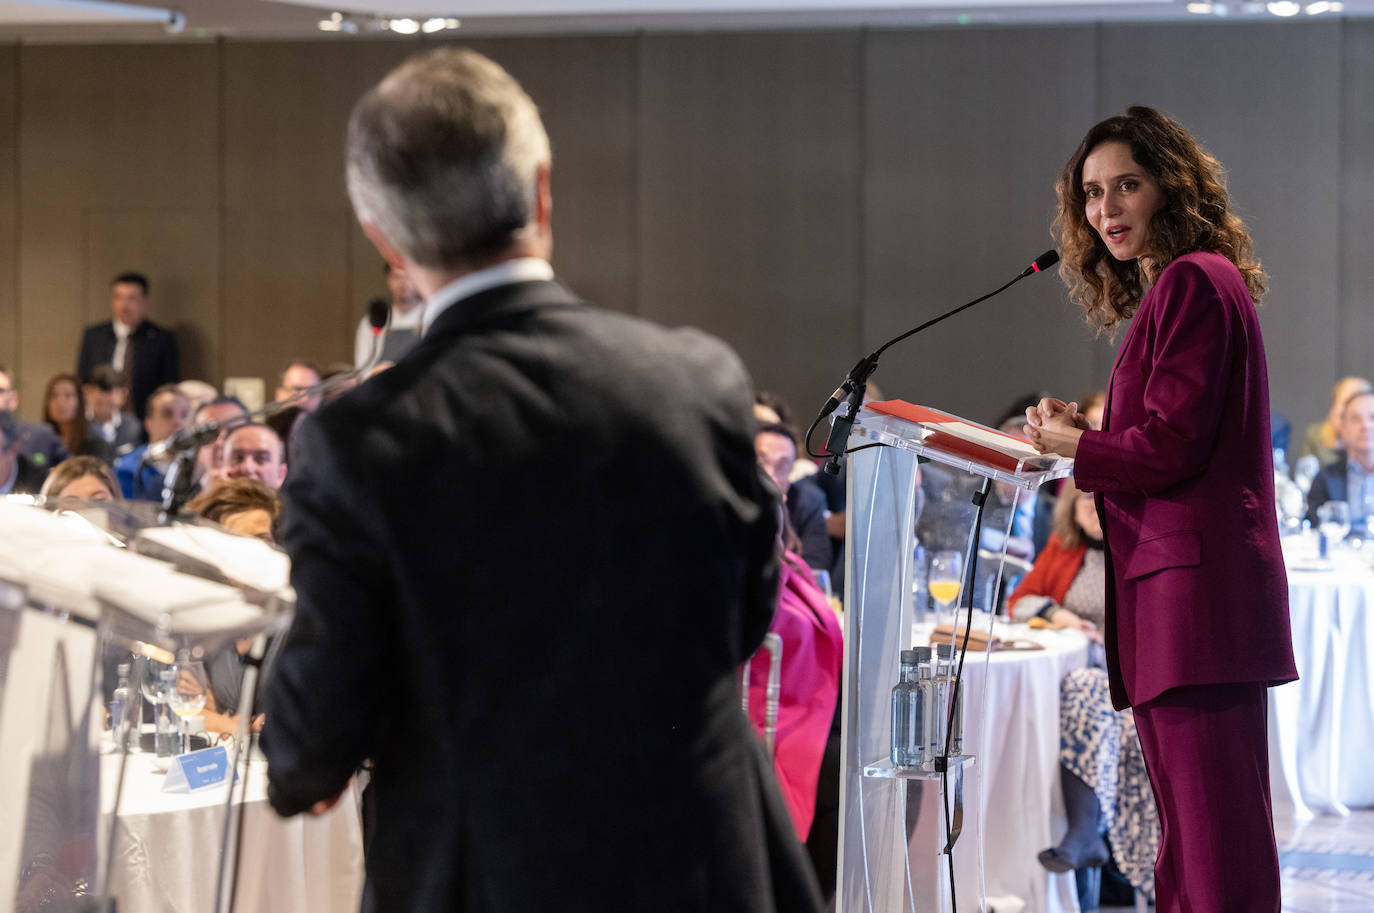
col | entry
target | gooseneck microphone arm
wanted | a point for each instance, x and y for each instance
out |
(856, 382)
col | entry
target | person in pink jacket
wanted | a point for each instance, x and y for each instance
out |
(812, 651)
(1197, 624)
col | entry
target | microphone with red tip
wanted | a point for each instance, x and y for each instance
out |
(853, 387)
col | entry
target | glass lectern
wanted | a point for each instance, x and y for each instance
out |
(900, 823)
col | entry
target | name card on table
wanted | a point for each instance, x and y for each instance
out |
(197, 770)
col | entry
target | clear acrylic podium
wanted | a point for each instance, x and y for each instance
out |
(81, 589)
(893, 831)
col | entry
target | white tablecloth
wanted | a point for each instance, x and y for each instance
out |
(167, 848)
(1321, 729)
(1016, 773)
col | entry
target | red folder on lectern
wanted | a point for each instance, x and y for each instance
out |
(949, 434)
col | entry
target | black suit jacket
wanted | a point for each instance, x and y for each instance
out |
(1331, 484)
(151, 362)
(529, 560)
(30, 479)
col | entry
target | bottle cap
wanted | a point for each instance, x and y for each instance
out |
(944, 651)
(922, 654)
(122, 670)
(909, 658)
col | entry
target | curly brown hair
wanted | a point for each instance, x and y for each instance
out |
(1193, 215)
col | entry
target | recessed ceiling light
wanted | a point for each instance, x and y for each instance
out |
(1284, 8)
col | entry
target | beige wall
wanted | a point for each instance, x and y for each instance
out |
(802, 194)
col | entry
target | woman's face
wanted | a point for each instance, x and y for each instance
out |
(1085, 515)
(62, 402)
(87, 488)
(1121, 198)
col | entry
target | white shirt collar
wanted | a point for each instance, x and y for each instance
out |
(523, 269)
(121, 330)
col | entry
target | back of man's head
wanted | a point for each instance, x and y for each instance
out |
(443, 157)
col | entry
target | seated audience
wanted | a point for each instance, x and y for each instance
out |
(296, 379)
(84, 478)
(228, 411)
(1102, 771)
(776, 448)
(18, 474)
(1094, 407)
(255, 451)
(198, 393)
(38, 443)
(1351, 477)
(1323, 439)
(244, 506)
(249, 508)
(114, 432)
(140, 479)
(338, 369)
(65, 413)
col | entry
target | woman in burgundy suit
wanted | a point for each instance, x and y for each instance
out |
(1197, 601)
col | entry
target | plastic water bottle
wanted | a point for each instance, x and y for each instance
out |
(167, 738)
(120, 699)
(908, 714)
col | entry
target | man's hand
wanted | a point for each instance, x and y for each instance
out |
(324, 805)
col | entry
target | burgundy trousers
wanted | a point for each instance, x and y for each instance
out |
(1206, 750)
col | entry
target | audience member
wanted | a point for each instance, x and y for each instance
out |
(1093, 407)
(403, 325)
(296, 379)
(224, 410)
(1102, 770)
(38, 443)
(776, 448)
(254, 451)
(85, 478)
(241, 505)
(1351, 477)
(198, 393)
(1323, 439)
(249, 508)
(140, 479)
(129, 342)
(64, 410)
(809, 686)
(114, 432)
(18, 474)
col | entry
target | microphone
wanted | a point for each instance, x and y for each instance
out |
(378, 313)
(852, 389)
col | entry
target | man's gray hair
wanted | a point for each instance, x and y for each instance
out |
(442, 157)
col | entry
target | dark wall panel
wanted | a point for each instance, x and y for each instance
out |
(118, 145)
(585, 88)
(1356, 189)
(749, 209)
(962, 151)
(1262, 98)
(297, 275)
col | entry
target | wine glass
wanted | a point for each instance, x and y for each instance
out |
(946, 569)
(1333, 519)
(188, 697)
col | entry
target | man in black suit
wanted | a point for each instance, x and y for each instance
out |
(529, 560)
(18, 476)
(143, 351)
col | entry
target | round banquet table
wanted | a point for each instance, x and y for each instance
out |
(167, 847)
(1321, 728)
(1016, 771)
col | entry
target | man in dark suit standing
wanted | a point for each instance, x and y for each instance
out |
(132, 344)
(536, 643)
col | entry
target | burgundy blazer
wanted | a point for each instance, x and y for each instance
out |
(1197, 592)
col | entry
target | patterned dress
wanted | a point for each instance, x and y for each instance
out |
(1098, 744)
